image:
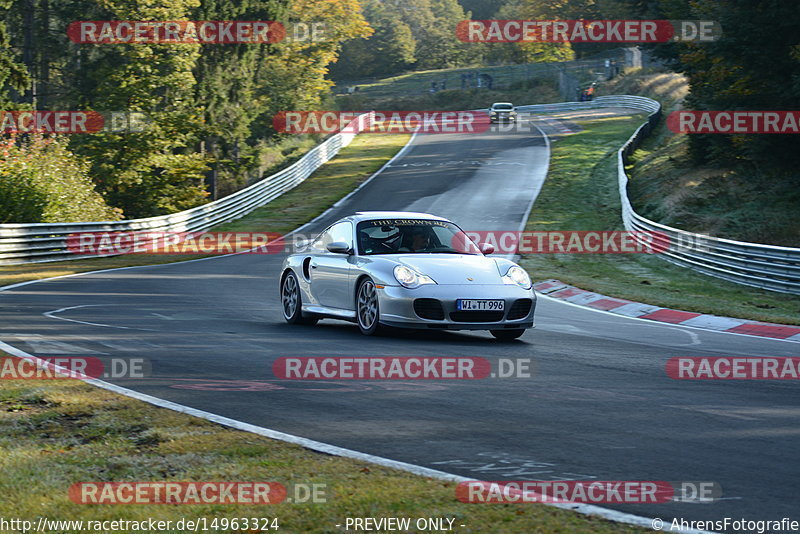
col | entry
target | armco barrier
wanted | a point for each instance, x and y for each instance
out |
(43, 242)
(766, 266)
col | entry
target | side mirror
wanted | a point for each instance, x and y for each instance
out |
(338, 247)
(486, 248)
(300, 244)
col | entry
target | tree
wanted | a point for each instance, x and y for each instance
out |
(418, 34)
(13, 75)
(228, 90)
(42, 181)
(755, 65)
(530, 52)
(389, 49)
(483, 9)
(439, 47)
(306, 62)
(210, 106)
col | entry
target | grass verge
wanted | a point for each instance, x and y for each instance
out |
(740, 204)
(580, 193)
(58, 432)
(354, 164)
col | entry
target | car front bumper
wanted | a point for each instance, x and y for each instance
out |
(397, 307)
(499, 118)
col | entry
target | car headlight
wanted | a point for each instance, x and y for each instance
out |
(410, 278)
(517, 275)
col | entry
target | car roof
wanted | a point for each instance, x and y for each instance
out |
(371, 215)
(503, 104)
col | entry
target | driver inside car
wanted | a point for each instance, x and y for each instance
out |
(420, 240)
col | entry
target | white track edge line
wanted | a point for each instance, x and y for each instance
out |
(527, 213)
(515, 257)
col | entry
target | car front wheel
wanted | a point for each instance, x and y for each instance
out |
(507, 335)
(367, 310)
(292, 303)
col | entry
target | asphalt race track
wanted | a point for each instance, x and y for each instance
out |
(599, 404)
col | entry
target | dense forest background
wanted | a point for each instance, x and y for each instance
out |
(210, 106)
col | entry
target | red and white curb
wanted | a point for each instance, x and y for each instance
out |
(559, 290)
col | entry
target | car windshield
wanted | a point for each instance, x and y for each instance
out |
(410, 236)
(503, 107)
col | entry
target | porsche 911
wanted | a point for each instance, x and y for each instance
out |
(405, 270)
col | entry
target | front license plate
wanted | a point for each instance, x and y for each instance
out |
(480, 305)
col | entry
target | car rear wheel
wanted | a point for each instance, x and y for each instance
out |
(507, 335)
(292, 303)
(367, 311)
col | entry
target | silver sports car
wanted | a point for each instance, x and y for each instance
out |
(409, 270)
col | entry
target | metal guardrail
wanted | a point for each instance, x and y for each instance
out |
(765, 266)
(44, 242)
(613, 101)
